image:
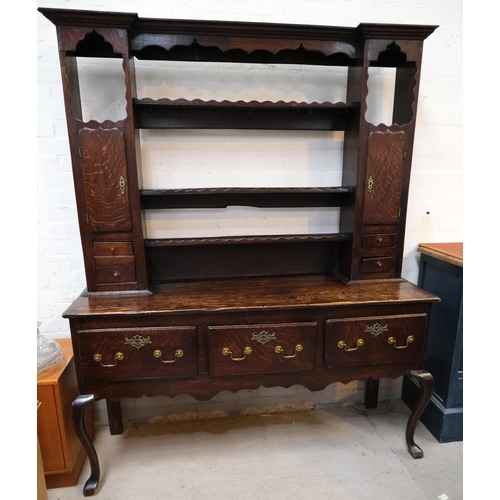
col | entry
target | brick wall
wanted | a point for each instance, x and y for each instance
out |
(435, 201)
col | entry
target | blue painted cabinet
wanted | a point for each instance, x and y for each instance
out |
(441, 272)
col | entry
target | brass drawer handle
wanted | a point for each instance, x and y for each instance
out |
(409, 340)
(359, 343)
(98, 359)
(178, 354)
(227, 352)
(116, 274)
(298, 348)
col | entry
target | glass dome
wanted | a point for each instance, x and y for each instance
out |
(48, 351)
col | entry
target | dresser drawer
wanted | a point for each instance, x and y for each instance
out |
(115, 274)
(376, 339)
(113, 254)
(378, 265)
(261, 348)
(112, 248)
(379, 240)
(138, 353)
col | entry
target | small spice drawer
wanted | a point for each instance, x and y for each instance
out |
(113, 253)
(112, 248)
(261, 348)
(378, 265)
(379, 240)
(115, 274)
(138, 353)
(376, 339)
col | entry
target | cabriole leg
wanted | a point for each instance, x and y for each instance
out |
(78, 406)
(426, 383)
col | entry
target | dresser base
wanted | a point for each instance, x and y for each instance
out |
(423, 377)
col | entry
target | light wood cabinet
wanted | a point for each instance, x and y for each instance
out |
(62, 454)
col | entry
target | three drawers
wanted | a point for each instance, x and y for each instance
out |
(374, 340)
(159, 352)
(261, 348)
(138, 353)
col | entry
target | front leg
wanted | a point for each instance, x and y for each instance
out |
(371, 393)
(78, 406)
(114, 416)
(426, 382)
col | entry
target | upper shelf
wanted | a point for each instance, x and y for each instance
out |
(182, 113)
(255, 197)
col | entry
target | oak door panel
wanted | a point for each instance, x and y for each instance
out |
(104, 165)
(384, 174)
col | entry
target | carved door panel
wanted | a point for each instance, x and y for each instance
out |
(384, 173)
(104, 165)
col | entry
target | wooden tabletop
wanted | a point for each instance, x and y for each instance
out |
(289, 292)
(452, 253)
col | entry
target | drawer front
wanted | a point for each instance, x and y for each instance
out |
(378, 265)
(379, 240)
(261, 348)
(113, 254)
(138, 353)
(115, 274)
(376, 339)
(112, 248)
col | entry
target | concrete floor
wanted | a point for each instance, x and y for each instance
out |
(334, 452)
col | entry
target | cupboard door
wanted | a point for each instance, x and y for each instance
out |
(384, 173)
(49, 435)
(104, 165)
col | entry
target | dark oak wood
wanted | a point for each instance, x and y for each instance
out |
(371, 393)
(114, 416)
(234, 257)
(182, 114)
(79, 404)
(252, 197)
(426, 381)
(204, 315)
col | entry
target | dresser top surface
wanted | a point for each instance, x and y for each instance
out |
(250, 294)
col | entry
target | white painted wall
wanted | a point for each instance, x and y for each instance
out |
(223, 158)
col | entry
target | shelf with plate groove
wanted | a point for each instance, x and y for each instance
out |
(183, 113)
